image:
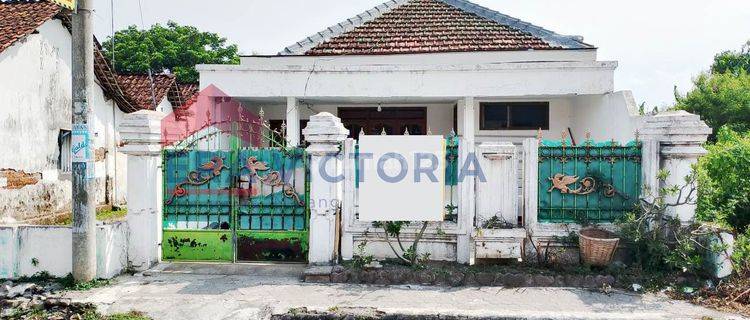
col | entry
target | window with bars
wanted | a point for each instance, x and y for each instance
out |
(64, 163)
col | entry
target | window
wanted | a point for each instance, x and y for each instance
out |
(276, 125)
(63, 146)
(514, 116)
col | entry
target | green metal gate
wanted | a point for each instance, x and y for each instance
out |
(225, 201)
(596, 182)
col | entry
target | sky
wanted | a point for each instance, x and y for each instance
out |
(659, 44)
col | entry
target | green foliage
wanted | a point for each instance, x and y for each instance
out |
(741, 256)
(172, 48)
(361, 258)
(407, 255)
(732, 61)
(662, 243)
(721, 99)
(724, 181)
(70, 284)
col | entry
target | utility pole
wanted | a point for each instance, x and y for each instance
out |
(84, 206)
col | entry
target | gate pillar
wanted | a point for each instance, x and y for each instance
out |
(679, 136)
(325, 133)
(140, 134)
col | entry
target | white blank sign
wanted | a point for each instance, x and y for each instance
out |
(393, 187)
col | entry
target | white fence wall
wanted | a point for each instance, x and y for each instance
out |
(27, 250)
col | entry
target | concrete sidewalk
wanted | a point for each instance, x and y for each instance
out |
(240, 291)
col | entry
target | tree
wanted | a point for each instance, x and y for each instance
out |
(732, 62)
(720, 99)
(724, 181)
(172, 48)
(722, 96)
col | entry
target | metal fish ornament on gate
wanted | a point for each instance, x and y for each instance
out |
(272, 178)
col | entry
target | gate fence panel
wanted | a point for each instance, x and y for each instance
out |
(594, 182)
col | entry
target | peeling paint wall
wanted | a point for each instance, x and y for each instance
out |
(35, 100)
(26, 250)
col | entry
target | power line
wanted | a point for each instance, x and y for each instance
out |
(150, 76)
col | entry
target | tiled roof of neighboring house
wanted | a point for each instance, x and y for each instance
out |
(424, 26)
(138, 88)
(184, 95)
(20, 18)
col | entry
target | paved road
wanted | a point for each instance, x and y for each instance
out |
(181, 291)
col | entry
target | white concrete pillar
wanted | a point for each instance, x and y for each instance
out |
(530, 182)
(680, 136)
(467, 199)
(141, 137)
(292, 122)
(325, 133)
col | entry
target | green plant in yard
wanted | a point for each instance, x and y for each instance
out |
(724, 181)
(741, 256)
(361, 258)
(662, 243)
(70, 284)
(407, 255)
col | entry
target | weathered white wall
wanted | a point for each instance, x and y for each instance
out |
(609, 116)
(27, 250)
(456, 75)
(34, 106)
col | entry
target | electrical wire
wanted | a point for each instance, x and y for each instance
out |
(150, 76)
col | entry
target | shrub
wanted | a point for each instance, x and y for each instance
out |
(741, 256)
(662, 243)
(724, 181)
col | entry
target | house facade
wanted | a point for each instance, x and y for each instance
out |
(416, 65)
(499, 86)
(35, 112)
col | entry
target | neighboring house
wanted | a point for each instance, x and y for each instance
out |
(35, 113)
(415, 64)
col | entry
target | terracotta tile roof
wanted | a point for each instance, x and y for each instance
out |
(425, 26)
(138, 88)
(183, 95)
(20, 18)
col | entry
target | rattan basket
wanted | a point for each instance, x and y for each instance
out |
(597, 246)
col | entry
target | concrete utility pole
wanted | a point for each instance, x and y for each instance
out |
(84, 206)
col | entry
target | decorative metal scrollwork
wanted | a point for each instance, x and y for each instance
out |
(195, 178)
(587, 185)
(272, 178)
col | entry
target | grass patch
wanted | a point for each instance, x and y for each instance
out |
(106, 214)
(67, 283)
(84, 311)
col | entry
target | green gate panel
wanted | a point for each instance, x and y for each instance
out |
(197, 245)
(596, 182)
(247, 204)
(285, 246)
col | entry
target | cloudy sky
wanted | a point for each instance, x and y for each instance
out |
(658, 43)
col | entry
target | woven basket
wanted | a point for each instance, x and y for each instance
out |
(597, 246)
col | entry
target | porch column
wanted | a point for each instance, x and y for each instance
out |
(325, 134)
(467, 199)
(292, 122)
(141, 139)
(680, 136)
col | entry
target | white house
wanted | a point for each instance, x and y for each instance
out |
(442, 66)
(420, 63)
(35, 116)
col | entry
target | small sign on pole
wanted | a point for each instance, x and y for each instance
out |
(70, 4)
